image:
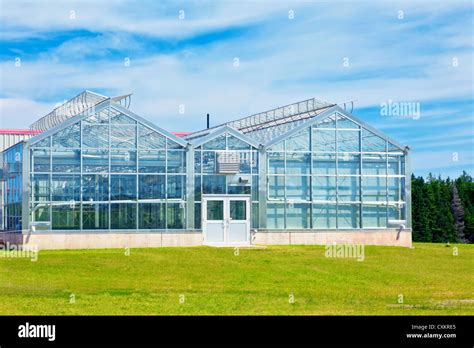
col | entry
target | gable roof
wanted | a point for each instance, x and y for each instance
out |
(327, 113)
(222, 130)
(97, 108)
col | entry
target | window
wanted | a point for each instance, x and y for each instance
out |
(348, 188)
(95, 136)
(66, 161)
(176, 186)
(276, 187)
(213, 184)
(275, 216)
(298, 187)
(276, 163)
(41, 160)
(175, 216)
(95, 187)
(40, 187)
(298, 216)
(95, 161)
(324, 188)
(66, 217)
(324, 164)
(95, 216)
(324, 216)
(123, 161)
(151, 161)
(298, 163)
(123, 187)
(151, 216)
(176, 161)
(66, 187)
(374, 216)
(348, 215)
(123, 216)
(123, 137)
(151, 187)
(68, 137)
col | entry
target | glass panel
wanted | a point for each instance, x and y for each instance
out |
(123, 216)
(328, 122)
(276, 187)
(170, 144)
(348, 164)
(395, 166)
(151, 216)
(275, 216)
(176, 161)
(95, 188)
(255, 216)
(324, 188)
(278, 146)
(348, 141)
(298, 187)
(41, 212)
(149, 139)
(95, 216)
(245, 162)
(255, 193)
(298, 215)
(95, 161)
(123, 137)
(96, 136)
(372, 142)
(299, 142)
(116, 117)
(254, 164)
(197, 215)
(343, 122)
(175, 216)
(151, 187)
(68, 137)
(66, 187)
(66, 161)
(41, 160)
(197, 161)
(348, 216)
(324, 140)
(123, 187)
(176, 186)
(216, 144)
(373, 164)
(209, 162)
(151, 162)
(123, 161)
(40, 187)
(276, 163)
(46, 142)
(238, 210)
(215, 210)
(298, 163)
(374, 189)
(234, 143)
(324, 216)
(348, 188)
(213, 184)
(66, 217)
(394, 187)
(374, 216)
(99, 117)
(238, 189)
(396, 212)
(197, 188)
(324, 164)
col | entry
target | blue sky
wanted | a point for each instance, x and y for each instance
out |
(370, 52)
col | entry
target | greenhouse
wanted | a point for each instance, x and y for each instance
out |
(99, 175)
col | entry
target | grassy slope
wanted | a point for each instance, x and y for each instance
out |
(259, 281)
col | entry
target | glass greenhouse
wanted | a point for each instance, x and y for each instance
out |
(306, 167)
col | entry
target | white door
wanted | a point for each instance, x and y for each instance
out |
(226, 220)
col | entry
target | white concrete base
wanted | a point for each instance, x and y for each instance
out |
(69, 240)
(389, 237)
(65, 240)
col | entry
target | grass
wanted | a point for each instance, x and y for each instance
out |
(214, 281)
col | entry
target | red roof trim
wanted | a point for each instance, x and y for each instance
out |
(19, 131)
(181, 134)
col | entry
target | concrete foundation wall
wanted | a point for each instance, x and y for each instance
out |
(68, 240)
(387, 237)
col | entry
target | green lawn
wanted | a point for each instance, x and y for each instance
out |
(256, 282)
